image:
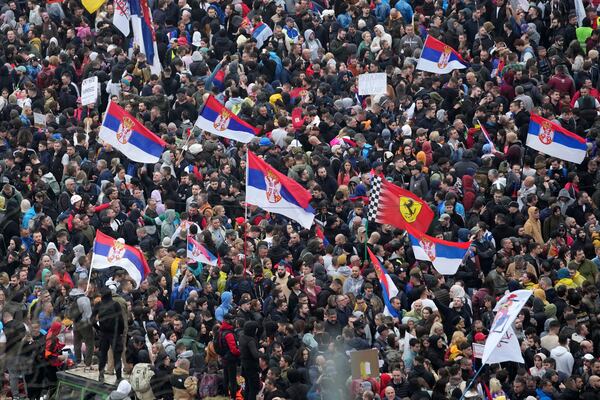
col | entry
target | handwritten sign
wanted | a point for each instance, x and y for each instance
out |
(89, 91)
(364, 363)
(372, 84)
(39, 120)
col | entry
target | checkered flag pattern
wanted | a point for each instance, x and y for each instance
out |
(374, 196)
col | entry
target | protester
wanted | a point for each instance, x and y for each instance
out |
(276, 218)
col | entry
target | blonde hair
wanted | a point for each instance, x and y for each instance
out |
(457, 338)
(495, 386)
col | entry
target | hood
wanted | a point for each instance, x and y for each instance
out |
(190, 332)
(170, 215)
(124, 387)
(76, 292)
(467, 182)
(560, 351)
(226, 298)
(250, 328)
(307, 34)
(51, 246)
(54, 329)
(180, 371)
(531, 211)
(564, 193)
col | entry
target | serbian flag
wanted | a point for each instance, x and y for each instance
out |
(487, 136)
(218, 120)
(388, 287)
(553, 140)
(128, 135)
(392, 205)
(445, 256)
(144, 35)
(109, 252)
(321, 235)
(274, 192)
(219, 80)
(199, 253)
(439, 58)
(262, 32)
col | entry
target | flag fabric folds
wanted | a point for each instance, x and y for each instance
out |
(388, 287)
(487, 136)
(439, 58)
(508, 309)
(390, 204)
(218, 120)
(109, 252)
(554, 140)
(122, 16)
(92, 5)
(261, 33)
(143, 33)
(199, 253)
(508, 349)
(445, 256)
(126, 134)
(272, 191)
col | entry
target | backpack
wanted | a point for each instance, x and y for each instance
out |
(140, 377)
(220, 344)
(73, 311)
(209, 385)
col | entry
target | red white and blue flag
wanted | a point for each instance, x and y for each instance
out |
(487, 136)
(553, 140)
(218, 120)
(262, 32)
(272, 191)
(321, 235)
(109, 252)
(199, 253)
(128, 135)
(439, 58)
(445, 256)
(388, 287)
(143, 33)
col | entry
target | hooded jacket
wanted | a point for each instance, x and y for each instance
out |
(564, 360)
(189, 340)
(122, 392)
(533, 227)
(226, 300)
(185, 386)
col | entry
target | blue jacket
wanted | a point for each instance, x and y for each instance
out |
(226, 300)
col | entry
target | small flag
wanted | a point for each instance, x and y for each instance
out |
(217, 119)
(128, 135)
(261, 33)
(554, 140)
(487, 136)
(109, 252)
(199, 253)
(274, 192)
(92, 5)
(388, 287)
(439, 58)
(321, 235)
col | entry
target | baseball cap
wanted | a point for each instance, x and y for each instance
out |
(588, 357)
(444, 216)
(479, 337)
(75, 198)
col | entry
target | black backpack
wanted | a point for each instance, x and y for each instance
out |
(220, 343)
(73, 311)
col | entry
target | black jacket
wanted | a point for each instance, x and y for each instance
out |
(109, 316)
(248, 347)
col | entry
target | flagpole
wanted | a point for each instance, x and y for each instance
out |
(246, 214)
(91, 267)
(472, 381)
(366, 238)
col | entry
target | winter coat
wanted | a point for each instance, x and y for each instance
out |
(249, 347)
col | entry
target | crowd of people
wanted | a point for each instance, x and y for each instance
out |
(281, 312)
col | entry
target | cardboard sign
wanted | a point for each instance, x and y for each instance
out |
(478, 350)
(364, 363)
(89, 91)
(372, 84)
(39, 120)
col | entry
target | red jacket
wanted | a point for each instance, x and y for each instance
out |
(230, 339)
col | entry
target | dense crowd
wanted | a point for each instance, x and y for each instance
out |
(279, 315)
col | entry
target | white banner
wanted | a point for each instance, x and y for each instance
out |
(89, 91)
(509, 307)
(372, 84)
(507, 349)
(39, 120)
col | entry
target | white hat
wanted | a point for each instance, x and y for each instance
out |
(166, 242)
(75, 198)
(93, 55)
(196, 39)
(195, 148)
(406, 130)
(196, 56)
(110, 48)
